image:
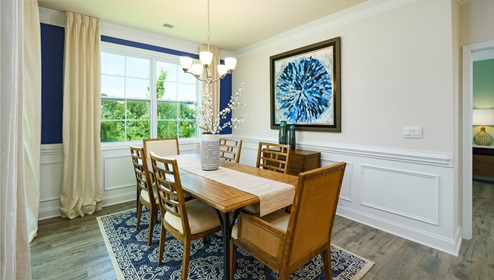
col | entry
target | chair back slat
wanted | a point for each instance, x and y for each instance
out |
(313, 211)
(143, 178)
(230, 149)
(170, 193)
(273, 156)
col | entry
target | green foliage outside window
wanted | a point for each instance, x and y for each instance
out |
(160, 84)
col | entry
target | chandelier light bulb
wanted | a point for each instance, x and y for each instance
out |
(206, 57)
(222, 70)
(185, 62)
(196, 69)
(230, 63)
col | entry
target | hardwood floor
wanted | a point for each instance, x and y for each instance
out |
(74, 249)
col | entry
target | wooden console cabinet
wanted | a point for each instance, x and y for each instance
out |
(483, 162)
(301, 161)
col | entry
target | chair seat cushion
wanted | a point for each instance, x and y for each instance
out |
(145, 196)
(201, 216)
(278, 219)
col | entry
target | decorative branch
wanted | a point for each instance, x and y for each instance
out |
(211, 124)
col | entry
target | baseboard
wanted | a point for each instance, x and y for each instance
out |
(428, 239)
(50, 208)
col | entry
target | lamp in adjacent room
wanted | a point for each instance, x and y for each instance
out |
(483, 117)
(206, 57)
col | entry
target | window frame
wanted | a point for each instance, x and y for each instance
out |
(154, 57)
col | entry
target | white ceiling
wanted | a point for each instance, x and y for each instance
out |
(235, 24)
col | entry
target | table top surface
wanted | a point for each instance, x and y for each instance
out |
(226, 198)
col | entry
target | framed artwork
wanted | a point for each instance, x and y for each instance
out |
(306, 87)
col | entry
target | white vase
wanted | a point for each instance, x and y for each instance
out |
(210, 151)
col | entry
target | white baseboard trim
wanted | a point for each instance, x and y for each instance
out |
(48, 212)
(422, 237)
(52, 212)
(119, 198)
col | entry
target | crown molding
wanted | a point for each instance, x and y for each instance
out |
(57, 18)
(354, 14)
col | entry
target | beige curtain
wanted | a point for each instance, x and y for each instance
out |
(32, 113)
(215, 87)
(82, 167)
(15, 262)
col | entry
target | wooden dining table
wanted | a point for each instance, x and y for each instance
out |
(227, 200)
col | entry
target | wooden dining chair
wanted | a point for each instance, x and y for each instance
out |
(185, 220)
(273, 156)
(146, 194)
(230, 149)
(286, 241)
(161, 146)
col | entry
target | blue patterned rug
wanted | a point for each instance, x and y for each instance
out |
(133, 259)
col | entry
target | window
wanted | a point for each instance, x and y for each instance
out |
(144, 96)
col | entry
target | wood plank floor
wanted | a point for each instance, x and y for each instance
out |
(74, 249)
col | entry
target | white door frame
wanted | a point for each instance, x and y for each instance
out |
(467, 104)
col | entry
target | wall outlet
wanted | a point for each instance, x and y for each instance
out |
(412, 132)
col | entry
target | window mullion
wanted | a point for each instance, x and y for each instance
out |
(153, 106)
(126, 120)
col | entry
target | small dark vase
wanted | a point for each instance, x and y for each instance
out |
(282, 136)
(292, 138)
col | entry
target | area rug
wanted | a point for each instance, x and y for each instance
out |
(133, 259)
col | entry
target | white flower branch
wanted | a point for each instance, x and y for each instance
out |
(212, 125)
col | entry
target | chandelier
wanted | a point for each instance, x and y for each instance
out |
(206, 57)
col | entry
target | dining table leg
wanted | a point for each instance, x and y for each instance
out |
(227, 221)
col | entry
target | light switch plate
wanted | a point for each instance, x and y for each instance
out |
(412, 132)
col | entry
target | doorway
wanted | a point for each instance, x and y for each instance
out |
(471, 53)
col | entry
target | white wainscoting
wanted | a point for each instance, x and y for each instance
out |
(118, 172)
(50, 180)
(118, 175)
(405, 187)
(405, 192)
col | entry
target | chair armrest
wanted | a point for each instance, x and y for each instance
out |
(259, 235)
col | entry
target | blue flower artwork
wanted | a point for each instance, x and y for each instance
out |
(304, 91)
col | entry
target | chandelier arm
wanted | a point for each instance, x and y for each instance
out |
(217, 79)
(196, 76)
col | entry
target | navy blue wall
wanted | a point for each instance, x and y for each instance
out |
(52, 51)
(225, 95)
(52, 48)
